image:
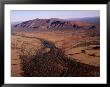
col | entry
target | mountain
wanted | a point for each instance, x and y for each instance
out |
(87, 19)
(56, 24)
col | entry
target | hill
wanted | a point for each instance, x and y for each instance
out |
(55, 24)
(87, 19)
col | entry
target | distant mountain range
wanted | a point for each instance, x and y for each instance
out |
(87, 19)
(58, 24)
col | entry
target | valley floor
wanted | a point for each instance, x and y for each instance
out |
(55, 54)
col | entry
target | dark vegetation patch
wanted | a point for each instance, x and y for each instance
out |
(54, 63)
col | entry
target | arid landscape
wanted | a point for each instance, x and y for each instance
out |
(55, 48)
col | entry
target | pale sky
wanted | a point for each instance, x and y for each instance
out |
(23, 15)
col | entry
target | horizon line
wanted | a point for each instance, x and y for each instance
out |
(56, 18)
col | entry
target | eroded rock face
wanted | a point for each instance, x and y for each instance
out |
(36, 23)
(63, 25)
(54, 24)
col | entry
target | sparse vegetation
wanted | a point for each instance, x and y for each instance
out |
(53, 63)
(71, 53)
(39, 61)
